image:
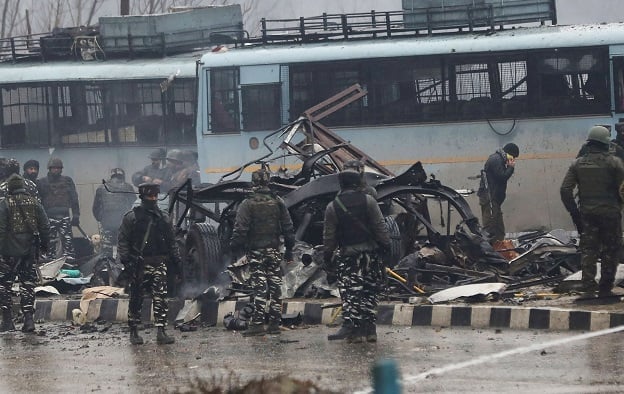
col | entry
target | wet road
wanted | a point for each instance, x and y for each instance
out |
(62, 359)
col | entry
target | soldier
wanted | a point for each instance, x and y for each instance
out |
(58, 196)
(24, 227)
(152, 173)
(619, 136)
(261, 220)
(31, 170)
(146, 243)
(598, 176)
(174, 173)
(498, 168)
(354, 238)
(358, 166)
(111, 202)
(9, 167)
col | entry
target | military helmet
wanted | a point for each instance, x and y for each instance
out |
(158, 154)
(12, 166)
(15, 182)
(175, 155)
(260, 177)
(599, 134)
(55, 162)
(355, 165)
(349, 178)
(118, 172)
(149, 189)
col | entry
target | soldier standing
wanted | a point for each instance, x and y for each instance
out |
(31, 170)
(9, 167)
(598, 176)
(146, 243)
(261, 220)
(58, 196)
(110, 204)
(355, 230)
(24, 227)
(152, 173)
(358, 166)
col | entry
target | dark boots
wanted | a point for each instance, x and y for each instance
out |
(273, 328)
(135, 338)
(254, 330)
(345, 331)
(7, 320)
(371, 332)
(358, 335)
(29, 322)
(162, 338)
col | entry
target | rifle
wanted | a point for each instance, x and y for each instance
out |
(487, 189)
(134, 278)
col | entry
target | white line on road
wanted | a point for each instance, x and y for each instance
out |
(495, 356)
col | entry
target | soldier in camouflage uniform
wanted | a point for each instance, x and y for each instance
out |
(111, 202)
(146, 243)
(354, 238)
(261, 220)
(58, 196)
(358, 166)
(152, 173)
(598, 176)
(31, 170)
(24, 227)
(9, 167)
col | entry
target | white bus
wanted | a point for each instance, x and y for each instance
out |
(448, 100)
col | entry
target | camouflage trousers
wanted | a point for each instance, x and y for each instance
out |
(492, 217)
(61, 231)
(601, 239)
(26, 275)
(359, 282)
(266, 283)
(152, 279)
(108, 239)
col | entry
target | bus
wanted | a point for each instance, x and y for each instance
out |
(96, 115)
(447, 99)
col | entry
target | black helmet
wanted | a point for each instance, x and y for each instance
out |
(511, 149)
(260, 177)
(148, 189)
(158, 154)
(12, 166)
(349, 179)
(118, 172)
(15, 182)
(55, 162)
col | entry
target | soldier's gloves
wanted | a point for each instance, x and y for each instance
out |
(75, 220)
(288, 255)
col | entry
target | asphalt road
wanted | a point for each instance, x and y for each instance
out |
(61, 358)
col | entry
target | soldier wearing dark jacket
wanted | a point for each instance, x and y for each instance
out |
(59, 196)
(9, 167)
(110, 204)
(24, 227)
(354, 237)
(261, 220)
(498, 168)
(598, 176)
(152, 173)
(146, 244)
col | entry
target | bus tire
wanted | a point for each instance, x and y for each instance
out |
(202, 254)
(394, 255)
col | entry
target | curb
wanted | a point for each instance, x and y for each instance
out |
(477, 316)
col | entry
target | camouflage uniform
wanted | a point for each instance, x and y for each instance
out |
(598, 175)
(496, 172)
(8, 168)
(58, 195)
(260, 221)
(109, 206)
(23, 228)
(355, 229)
(146, 247)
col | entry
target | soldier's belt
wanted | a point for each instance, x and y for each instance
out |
(154, 260)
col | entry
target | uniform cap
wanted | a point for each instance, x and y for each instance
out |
(260, 177)
(149, 189)
(158, 154)
(15, 182)
(512, 149)
(599, 134)
(55, 162)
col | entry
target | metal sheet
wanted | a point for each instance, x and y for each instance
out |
(466, 291)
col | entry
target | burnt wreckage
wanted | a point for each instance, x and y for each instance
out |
(437, 242)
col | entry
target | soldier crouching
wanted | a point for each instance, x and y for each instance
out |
(146, 243)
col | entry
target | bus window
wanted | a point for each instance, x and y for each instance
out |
(618, 82)
(80, 116)
(261, 107)
(224, 100)
(25, 119)
(180, 98)
(472, 90)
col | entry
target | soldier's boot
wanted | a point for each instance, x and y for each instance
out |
(371, 332)
(342, 333)
(273, 328)
(135, 338)
(29, 322)
(254, 330)
(7, 320)
(358, 335)
(162, 338)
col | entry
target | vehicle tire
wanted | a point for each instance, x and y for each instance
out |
(203, 257)
(395, 254)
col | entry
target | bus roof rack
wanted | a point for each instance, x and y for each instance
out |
(418, 17)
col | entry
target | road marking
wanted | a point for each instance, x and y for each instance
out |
(495, 356)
